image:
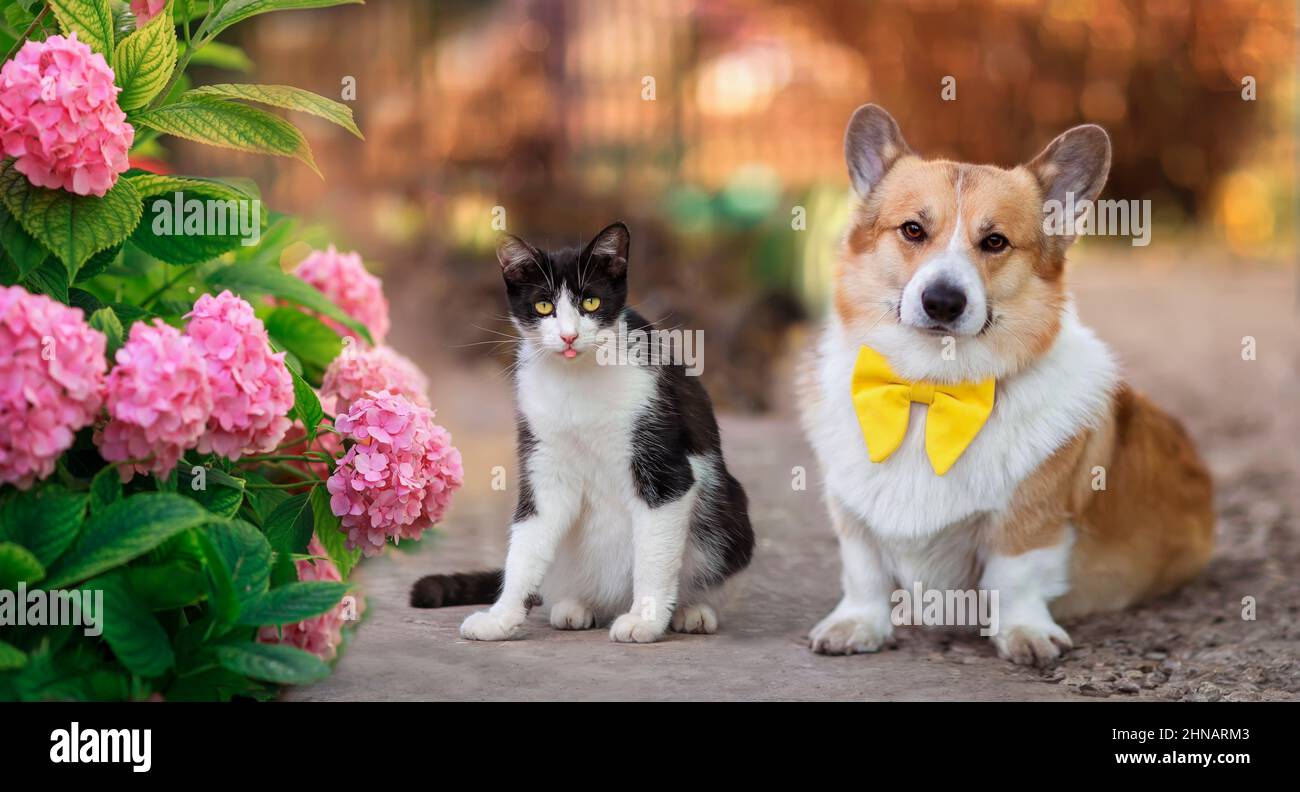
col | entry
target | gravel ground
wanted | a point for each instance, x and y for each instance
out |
(1180, 339)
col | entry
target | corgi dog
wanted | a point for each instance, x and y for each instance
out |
(972, 433)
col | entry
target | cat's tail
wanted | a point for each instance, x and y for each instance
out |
(462, 588)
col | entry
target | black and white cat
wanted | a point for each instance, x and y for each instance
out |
(626, 508)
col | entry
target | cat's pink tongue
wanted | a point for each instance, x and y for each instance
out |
(570, 353)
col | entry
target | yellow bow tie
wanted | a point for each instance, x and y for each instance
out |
(883, 400)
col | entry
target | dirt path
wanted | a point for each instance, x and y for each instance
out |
(1180, 339)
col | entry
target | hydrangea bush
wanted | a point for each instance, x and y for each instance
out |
(190, 428)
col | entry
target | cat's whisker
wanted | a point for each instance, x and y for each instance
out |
(481, 343)
(497, 332)
(524, 357)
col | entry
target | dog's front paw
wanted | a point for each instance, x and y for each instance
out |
(488, 626)
(700, 619)
(850, 632)
(572, 615)
(633, 628)
(1037, 644)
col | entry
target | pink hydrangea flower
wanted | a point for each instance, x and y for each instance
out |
(59, 117)
(146, 10)
(320, 635)
(397, 478)
(357, 371)
(343, 278)
(51, 373)
(251, 386)
(159, 401)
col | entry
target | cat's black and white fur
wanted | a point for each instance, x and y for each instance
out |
(626, 509)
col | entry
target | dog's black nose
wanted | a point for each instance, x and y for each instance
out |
(943, 302)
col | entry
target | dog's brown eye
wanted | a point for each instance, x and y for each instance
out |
(994, 242)
(913, 231)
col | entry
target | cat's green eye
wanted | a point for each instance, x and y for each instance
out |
(590, 304)
(543, 307)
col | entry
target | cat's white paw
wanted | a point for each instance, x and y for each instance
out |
(700, 619)
(488, 626)
(572, 615)
(1037, 644)
(850, 632)
(632, 628)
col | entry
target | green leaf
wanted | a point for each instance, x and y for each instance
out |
(217, 684)
(11, 657)
(143, 62)
(98, 263)
(292, 603)
(45, 520)
(306, 406)
(18, 16)
(72, 227)
(222, 494)
(21, 246)
(124, 530)
(149, 185)
(262, 501)
(135, 636)
(284, 665)
(330, 535)
(229, 125)
(171, 230)
(183, 546)
(243, 556)
(18, 565)
(221, 584)
(284, 571)
(91, 20)
(105, 321)
(308, 338)
(287, 97)
(239, 10)
(105, 489)
(222, 501)
(167, 586)
(50, 279)
(189, 10)
(282, 231)
(248, 277)
(87, 302)
(223, 478)
(289, 526)
(221, 56)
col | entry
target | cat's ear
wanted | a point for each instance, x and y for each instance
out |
(612, 242)
(872, 144)
(515, 255)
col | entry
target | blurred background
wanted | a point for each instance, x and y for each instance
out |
(714, 129)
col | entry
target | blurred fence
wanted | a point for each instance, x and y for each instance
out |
(706, 124)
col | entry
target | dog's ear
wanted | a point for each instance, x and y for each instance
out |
(515, 256)
(872, 144)
(1075, 163)
(612, 242)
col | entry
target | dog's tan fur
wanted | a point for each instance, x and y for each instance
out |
(1152, 528)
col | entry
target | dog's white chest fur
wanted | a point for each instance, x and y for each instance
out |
(1035, 412)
